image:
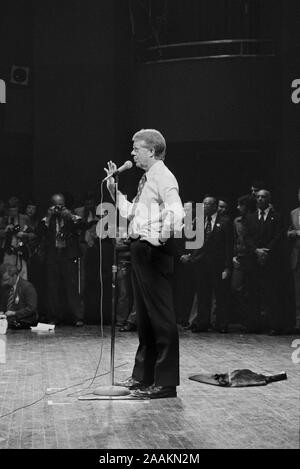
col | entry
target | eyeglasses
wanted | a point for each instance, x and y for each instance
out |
(137, 149)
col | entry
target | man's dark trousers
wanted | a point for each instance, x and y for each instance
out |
(157, 357)
(63, 272)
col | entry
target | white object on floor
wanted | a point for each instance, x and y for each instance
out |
(3, 350)
(3, 324)
(43, 327)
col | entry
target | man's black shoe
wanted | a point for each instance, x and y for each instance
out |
(129, 327)
(155, 392)
(130, 383)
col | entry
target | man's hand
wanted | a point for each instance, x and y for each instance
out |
(185, 258)
(225, 274)
(262, 254)
(235, 262)
(10, 314)
(111, 168)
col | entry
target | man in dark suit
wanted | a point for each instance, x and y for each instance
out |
(60, 231)
(294, 237)
(267, 231)
(213, 265)
(184, 275)
(18, 299)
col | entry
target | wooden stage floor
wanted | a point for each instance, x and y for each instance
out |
(202, 416)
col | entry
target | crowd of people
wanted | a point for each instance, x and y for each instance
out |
(246, 273)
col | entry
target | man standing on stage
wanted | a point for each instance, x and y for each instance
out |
(155, 214)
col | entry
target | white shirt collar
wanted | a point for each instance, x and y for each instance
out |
(266, 212)
(155, 168)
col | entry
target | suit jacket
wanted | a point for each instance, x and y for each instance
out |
(295, 225)
(25, 302)
(270, 235)
(218, 249)
(70, 229)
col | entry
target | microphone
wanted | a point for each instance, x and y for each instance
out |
(127, 165)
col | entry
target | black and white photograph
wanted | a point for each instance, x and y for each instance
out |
(149, 228)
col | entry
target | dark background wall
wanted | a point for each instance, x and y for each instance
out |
(231, 119)
(16, 126)
(290, 69)
(74, 94)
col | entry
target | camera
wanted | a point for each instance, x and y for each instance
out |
(16, 229)
(57, 209)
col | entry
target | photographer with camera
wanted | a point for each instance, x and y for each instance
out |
(12, 229)
(60, 231)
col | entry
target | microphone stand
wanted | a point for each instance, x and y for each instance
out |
(106, 392)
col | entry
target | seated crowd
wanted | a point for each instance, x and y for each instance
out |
(246, 274)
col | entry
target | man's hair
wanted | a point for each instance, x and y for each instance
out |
(153, 139)
(268, 194)
(211, 196)
(8, 269)
(247, 201)
(224, 199)
(58, 194)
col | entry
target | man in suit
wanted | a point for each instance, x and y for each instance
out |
(244, 265)
(184, 274)
(213, 265)
(12, 228)
(294, 237)
(18, 299)
(267, 232)
(60, 232)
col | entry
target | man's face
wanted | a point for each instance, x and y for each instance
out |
(263, 199)
(254, 191)
(222, 208)
(8, 280)
(210, 206)
(31, 210)
(58, 200)
(142, 155)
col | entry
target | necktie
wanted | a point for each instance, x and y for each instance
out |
(208, 228)
(142, 182)
(262, 216)
(10, 299)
